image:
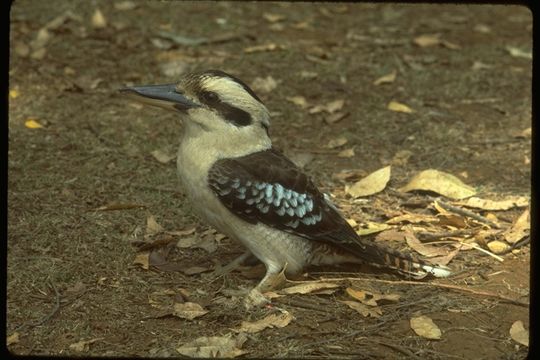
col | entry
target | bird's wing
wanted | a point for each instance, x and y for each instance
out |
(267, 187)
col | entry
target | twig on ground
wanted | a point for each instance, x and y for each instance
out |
(425, 235)
(464, 212)
(409, 282)
(300, 304)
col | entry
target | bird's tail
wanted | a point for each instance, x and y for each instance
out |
(384, 257)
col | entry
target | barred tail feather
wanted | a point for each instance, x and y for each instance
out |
(380, 256)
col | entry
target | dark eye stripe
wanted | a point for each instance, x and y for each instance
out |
(230, 113)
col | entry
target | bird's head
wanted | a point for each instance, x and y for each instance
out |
(212, 104)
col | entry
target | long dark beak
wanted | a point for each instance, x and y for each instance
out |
(164, 96)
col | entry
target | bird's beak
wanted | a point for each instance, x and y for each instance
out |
(165, 96)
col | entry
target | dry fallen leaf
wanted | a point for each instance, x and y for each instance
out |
(516, 52)
(263, 47)
(12, 339)
(152, 227)
(386, 79)
(337, 142)
(445, 259)
(364, 310)
(308, 287)
(298, 100)
(482, 28)
(401, 157)
(441, 183)
(370, 228)
(83, 345)
(214, 347)
(520, 228)
(495, 205)
(498, 247)
(32, 124)
(370, 298)
(347, 153)
(98, 20)
(427, 40)
(162, 157)
(125, 5)
(264, 85)
(143, 260)
(478, 65)
(334, 118)
(519, 334)
(188, 310)
(425, 327)
(335, 105)
(399, 107)
(271, 321)
(423, 249)
(273, 17)
(413, 218)
(452, 220)
(371, 184)
(391, 235)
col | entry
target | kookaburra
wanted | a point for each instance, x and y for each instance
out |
(239, 184)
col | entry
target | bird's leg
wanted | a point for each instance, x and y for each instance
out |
(222, 270)
(274, 278)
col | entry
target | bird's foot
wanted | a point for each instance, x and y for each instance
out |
(255, 299)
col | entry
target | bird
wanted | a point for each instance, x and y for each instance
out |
(240, 184)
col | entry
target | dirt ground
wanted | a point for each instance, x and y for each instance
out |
(72, 285)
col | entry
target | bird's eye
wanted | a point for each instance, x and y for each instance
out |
(209, 97)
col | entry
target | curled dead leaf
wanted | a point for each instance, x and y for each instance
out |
(427, 40)
(425, 327)
(32, 124)
(264, 85)
(386, 79)
(143, 260)
(83, 345)
(440, 183)
(364, 310)
(423, 249)
(12, 339)
(371, 184)
(270, 321)
(262, 48)
(399, 107)
(337, 142)
(371, 228)
(520, 228)
(214, 347)
(189, 310)
(519, 334)
(306, 288)
(98, 20)
(162, 157)
(498, 247)
(152, 227)
(370, 298)
(347, 153)
(517, 52)
(298, 100)
(495, 205)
